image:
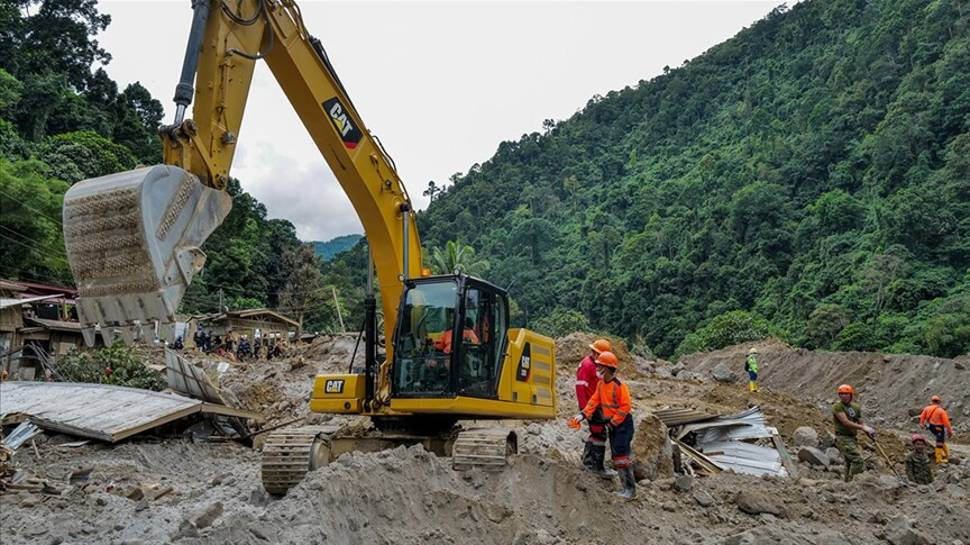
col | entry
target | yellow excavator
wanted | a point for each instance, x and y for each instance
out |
(134, 245)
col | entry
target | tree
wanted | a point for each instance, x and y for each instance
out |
(459, 257)
(432, 190)
(304, 287)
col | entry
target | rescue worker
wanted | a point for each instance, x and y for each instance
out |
(935, 419)
(594, 453)
(848, 420)
(751, 368)
(444, 342)
(610, 405)
(917, 463)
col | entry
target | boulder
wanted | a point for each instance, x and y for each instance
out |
(723, 373)
(834, 455)
(805, 436)
(755, 503)
(813, 456)
(899, 531)
(703, 498)
(683, 483)
(676, 369)
(652, 450)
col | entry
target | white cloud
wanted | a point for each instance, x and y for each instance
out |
(441, 83)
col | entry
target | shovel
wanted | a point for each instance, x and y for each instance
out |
(889, 461)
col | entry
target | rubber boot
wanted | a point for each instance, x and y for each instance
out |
(750, 387)
(946, 454)
(588, 457)
(599, 463)
(629, 483)
(754, 386)
(939, 455)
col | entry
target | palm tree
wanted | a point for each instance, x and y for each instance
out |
(456, 256)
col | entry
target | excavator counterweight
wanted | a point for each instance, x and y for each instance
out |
(133, 241)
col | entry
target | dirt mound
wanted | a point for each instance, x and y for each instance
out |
(571, 349)
(407, 495)
(891, 387)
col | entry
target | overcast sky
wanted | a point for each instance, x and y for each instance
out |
(441, 83)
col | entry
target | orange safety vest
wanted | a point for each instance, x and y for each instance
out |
(613, 398)
(936, 416)
(444, 343)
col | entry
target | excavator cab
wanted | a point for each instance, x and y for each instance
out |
(450, 338)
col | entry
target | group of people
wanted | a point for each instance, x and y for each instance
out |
(605, 405)
(228, 347)
(847, 416)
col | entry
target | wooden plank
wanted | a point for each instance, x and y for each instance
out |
(786, 458)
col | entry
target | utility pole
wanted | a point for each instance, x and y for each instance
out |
(336, 304)
(220, 301)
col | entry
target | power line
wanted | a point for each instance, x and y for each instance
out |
(34, 249)
(32, 208)
(45, 245)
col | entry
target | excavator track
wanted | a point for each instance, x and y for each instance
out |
(290, 453)
(486, 448)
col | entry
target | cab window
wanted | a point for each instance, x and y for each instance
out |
(422, 360)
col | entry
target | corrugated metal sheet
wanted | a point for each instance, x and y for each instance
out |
(99, 411)
(725, 442)
(681, 416)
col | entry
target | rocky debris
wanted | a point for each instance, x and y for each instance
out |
(813, 456)
(683, 483)
(754, 502)
(652, 449)
(900, 531)
(676, 369)
(805, 436)
(722, 373)
(702, 497)
(833, 455)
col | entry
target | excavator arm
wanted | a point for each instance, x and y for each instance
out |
(134, 238)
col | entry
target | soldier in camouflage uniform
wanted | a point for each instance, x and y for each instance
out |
(848, 420)
(918, 463)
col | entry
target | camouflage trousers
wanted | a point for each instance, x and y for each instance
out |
(850, 455)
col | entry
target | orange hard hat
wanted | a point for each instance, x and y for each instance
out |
(936, 399)
(607, 359)
(601, 345)
(916, 438)
(846, 389)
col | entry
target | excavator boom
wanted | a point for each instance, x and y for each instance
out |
(134, 238)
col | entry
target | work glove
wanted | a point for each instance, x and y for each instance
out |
(575, 421)
(869, 430)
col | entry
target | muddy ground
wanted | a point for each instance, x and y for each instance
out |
(153, 490)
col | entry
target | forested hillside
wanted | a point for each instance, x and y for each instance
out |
(62, 119)
(808, 178)
(327, 250)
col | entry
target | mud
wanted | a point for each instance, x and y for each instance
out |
(174, 491)
(892, 387)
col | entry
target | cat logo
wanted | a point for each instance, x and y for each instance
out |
(525, 364)
(334, 387)
(349, 133)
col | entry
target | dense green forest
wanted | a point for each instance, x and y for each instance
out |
(329, 249)
(808, 178)
(62, 120)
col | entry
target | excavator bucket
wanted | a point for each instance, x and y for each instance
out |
(134, 243)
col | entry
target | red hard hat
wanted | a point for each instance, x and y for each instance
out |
(846, 389)
(936, 399)
(607, 359)
(916, 438)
